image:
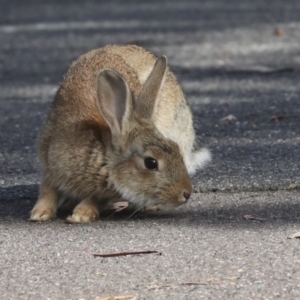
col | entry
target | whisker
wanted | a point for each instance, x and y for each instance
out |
(138, 209)
(109, 216)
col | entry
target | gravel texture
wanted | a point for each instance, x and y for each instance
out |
(239, 65)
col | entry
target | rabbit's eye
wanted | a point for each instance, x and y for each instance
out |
(151, 163)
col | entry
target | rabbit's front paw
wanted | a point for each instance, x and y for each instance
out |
(83, 214)
(42, 214)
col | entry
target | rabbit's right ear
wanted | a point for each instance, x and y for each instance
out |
(114, 99)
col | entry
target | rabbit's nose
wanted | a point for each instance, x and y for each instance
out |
(186, 195)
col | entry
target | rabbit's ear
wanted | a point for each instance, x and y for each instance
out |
(147, 99)
(114, 99)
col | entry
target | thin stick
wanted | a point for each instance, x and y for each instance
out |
(250, 217)
(193, 283)
(126, 253)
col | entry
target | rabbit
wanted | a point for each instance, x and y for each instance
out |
(119, 129)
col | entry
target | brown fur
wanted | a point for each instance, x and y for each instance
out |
(84, 157)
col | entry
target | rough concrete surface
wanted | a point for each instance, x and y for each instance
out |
(234, 58)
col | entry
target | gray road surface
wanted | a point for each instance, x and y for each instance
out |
(238, 58)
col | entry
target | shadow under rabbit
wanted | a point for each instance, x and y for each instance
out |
(213, 209)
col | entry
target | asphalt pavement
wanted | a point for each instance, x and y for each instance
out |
(239, 65)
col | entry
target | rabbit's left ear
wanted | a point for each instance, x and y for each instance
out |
(147, 99)
(114, 99)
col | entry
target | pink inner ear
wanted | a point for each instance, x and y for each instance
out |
(119, 105)
(112, 94)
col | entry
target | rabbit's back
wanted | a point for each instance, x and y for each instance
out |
(74, 121)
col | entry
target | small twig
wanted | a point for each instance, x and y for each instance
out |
(294, 235)
(228, 118)
(125, 253)
(129, 297)
(121, 297)
(156, 287)
(250, 217)
(193, 283)
(277, 118)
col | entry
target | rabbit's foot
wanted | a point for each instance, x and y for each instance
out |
(41, 213)
(45, 208)
(83, 214)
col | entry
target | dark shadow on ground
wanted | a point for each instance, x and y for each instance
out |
(226, 209)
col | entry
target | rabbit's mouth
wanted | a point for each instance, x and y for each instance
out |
(144, 203)
(150, 206)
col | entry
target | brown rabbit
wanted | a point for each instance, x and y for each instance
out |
(119, 128)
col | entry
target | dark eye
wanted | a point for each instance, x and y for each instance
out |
(151, 163)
